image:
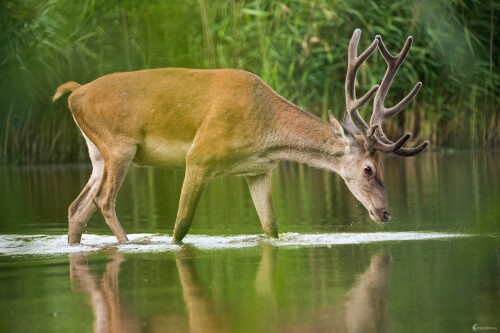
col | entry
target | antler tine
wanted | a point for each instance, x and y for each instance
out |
(404, 102)
(380, 112)
(393, 64)
(354, 62)
(408, 152)
(402, 151)
(386, 146)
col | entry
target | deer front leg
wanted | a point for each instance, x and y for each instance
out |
(194, 183)
(260, 189)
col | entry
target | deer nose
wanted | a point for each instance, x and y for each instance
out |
(386, 215)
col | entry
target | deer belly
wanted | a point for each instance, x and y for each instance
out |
(162, 153)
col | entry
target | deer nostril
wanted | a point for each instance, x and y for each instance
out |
(386, 215)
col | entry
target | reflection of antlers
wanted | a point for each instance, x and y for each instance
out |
(375, 139)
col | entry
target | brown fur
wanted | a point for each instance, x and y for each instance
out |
(65, 88)
(212, 123)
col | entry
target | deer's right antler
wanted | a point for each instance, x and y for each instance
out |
(375, 139)
(380, 112)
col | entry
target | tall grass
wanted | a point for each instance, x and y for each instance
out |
(299, 47)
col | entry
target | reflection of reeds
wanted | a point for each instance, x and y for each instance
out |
(298, 48)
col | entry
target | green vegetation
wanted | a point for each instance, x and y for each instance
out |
(299, 47)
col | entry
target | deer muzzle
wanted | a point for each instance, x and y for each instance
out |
(379, 215)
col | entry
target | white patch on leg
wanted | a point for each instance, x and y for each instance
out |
(96, 159)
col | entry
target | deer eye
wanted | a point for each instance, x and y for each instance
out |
(368, 170)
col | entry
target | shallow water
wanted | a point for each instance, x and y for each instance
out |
(16, 245)
(434, 267)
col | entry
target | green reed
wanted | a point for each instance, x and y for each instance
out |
(299, 47)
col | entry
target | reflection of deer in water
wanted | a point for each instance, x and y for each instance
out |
(110, 314)
(365, 309)
(200, 309)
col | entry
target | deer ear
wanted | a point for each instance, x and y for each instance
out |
(339, 130)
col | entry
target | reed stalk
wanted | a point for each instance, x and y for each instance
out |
(297, 46)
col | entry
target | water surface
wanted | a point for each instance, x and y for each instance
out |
(434, 267)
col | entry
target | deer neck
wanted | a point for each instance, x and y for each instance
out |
(304, 138)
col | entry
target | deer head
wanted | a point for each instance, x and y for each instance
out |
(362, 168)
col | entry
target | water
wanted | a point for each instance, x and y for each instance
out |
(435, 267)
(16, 245)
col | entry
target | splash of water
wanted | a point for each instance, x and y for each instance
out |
(57, 244)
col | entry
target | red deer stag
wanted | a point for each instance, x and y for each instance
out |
(226, 122)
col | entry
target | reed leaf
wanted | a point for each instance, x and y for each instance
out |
(298, 46)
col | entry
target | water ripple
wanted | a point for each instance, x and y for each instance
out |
(57, 244)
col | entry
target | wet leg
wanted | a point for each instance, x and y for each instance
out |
(192, 188)
(115, 169)
(83, 207)
(260, 189)
(80, 211)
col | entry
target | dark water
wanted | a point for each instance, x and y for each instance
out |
(434, 268)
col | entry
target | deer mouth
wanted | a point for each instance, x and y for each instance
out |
(382, 215)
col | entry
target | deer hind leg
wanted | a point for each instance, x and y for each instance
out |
(115, 169)
(194, 183)
(83, 207)
(260, 189)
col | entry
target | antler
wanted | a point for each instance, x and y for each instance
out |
(354, 62)
(352, 104)
(380, 112)
(375, 139)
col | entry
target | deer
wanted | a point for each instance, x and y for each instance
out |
(218, 122)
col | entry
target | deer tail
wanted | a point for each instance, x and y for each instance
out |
(64, 88)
